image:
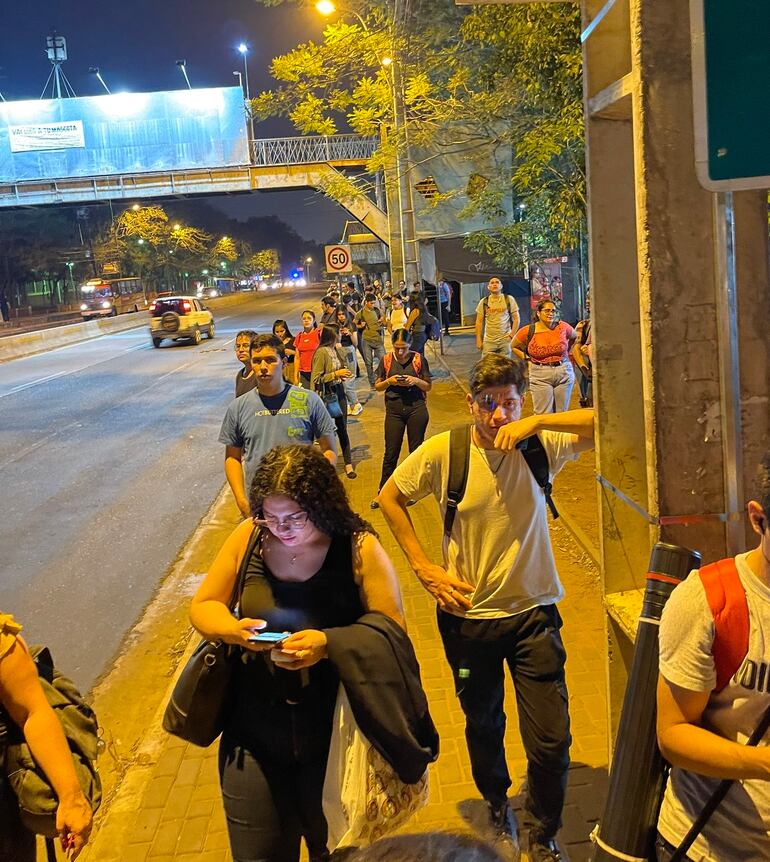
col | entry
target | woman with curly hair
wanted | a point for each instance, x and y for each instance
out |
(317, 565)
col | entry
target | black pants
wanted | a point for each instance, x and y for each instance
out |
(445, 316)
(271, 806)
(531, 645)
(400, 417)
(342, 424)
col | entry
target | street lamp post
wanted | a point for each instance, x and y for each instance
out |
(308, 261)
(410, 252)
(183, 68)
(243, 50)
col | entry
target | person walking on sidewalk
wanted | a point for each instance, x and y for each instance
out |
(282, 332)
(445, 299)
(497, 318)
(23, 702)
(275, 413)
(317, 566)
(348, 340)
(370, 327)
(404, 377)
(547, 343)
(497, 589)
(330, 370)
(305, 345)
(245, 379)
(713, 695)
(418, 321)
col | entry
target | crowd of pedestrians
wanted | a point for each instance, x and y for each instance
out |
(308, 601)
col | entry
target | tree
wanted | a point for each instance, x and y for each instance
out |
(263, 263)
(496, 74)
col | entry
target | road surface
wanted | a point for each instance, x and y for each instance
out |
(108, 460)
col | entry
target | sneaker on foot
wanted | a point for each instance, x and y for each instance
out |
(357, 409)
(506, 830)
(543, 849)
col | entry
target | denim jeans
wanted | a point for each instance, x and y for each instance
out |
(372, 354)
(501, 347)
(530, 644)
(351, 365)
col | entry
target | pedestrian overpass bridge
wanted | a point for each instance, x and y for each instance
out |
(276, 164)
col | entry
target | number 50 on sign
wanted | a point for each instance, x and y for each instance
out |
(338, 258)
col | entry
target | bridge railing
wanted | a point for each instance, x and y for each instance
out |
(312, 150)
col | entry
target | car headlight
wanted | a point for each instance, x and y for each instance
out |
(106, 304)
(83, 307)
(213, 293)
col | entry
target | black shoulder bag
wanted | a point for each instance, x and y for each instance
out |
(459, 460)
(195, 711)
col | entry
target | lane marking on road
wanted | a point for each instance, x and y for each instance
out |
(40, 380)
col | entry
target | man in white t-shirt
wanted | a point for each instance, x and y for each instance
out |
(497, 320)
(497, 590)
(702, 731)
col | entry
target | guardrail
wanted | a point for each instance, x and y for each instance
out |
(307, 150)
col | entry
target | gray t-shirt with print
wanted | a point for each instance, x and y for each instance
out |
(251, 425)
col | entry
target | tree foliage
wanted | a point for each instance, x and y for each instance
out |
(509, 74)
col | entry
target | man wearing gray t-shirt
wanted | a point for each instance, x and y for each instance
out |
(274, 414)
(497, 320)
(706, 713)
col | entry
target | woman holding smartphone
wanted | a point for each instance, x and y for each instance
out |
(404, 376)
(281, 330)
(317, 565)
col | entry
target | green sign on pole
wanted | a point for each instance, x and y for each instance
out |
(731, 84)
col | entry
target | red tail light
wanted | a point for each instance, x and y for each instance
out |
(186, 306)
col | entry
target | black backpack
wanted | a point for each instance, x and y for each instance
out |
(459, 459)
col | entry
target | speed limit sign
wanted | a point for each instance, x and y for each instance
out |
(338, 258)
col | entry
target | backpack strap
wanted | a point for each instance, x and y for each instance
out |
(387, 362)
(530, 333)
(417, 363)
(508, 301)
(537, 460)
(729, 607)
(459, 460)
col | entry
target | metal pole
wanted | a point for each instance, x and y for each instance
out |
(403, 168)
(729, 368)
(248, 92)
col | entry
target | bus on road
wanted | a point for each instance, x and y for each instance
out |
(108, 297)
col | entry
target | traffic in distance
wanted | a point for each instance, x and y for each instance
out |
(109, 297)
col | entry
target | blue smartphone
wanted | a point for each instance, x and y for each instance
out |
(269, 637)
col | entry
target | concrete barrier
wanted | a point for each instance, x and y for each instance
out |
(29, 343)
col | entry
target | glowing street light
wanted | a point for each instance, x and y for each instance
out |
(325, 7)
(135, 207)
(243, 50)
(386, 61)
(177, 227)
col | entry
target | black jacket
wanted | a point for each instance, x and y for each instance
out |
(376, 663)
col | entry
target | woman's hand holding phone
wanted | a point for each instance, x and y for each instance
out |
(300, 650)
(242, 633)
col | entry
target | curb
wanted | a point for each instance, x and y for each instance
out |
(121, 810)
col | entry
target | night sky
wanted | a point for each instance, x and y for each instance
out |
(136, 43)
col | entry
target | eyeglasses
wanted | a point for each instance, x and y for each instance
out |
(291, 522)
(547, 311)
(488, 404)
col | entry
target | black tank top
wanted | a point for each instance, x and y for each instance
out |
(286, 714)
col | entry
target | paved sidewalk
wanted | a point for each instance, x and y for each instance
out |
(169, 808)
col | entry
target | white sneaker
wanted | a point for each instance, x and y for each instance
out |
(359, 408)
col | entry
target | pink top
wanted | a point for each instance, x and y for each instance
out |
(550, 346)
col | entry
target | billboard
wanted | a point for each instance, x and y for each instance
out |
(122, 133)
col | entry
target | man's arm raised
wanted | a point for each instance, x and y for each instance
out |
(577, 422)
(450, 592)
